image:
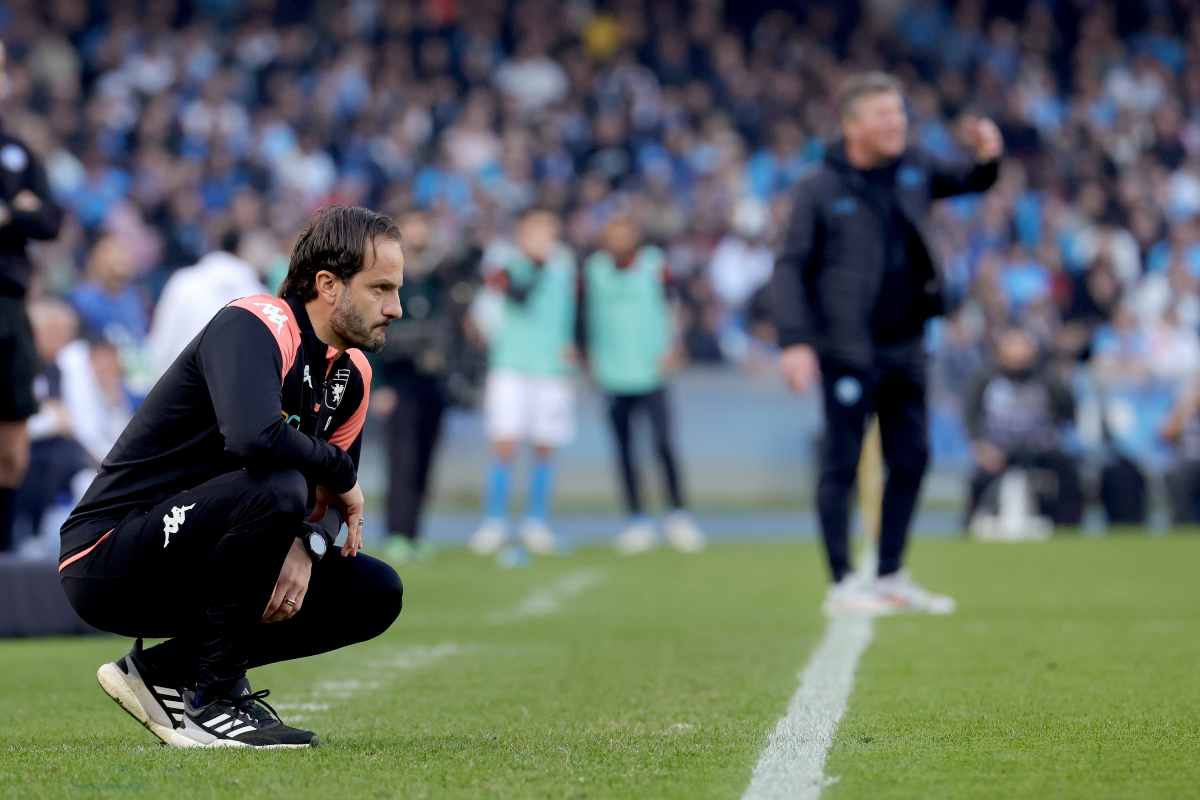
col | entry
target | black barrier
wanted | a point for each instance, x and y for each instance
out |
(32, 602)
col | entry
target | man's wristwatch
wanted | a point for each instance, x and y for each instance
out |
(316, 542)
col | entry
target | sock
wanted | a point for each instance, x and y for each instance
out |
(541, 484)
(496, 497)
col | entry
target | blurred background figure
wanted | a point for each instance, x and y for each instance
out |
(529, 397)
(1182, 431)
(631, 346)
(192, 295)
(60, 468)
(170, 129)
(1019, 417)
(28, 213)
(423, 370)
(855, 285)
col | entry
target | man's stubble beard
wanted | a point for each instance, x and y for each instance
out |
(353, 329)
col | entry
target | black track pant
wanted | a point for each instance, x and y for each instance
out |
(414, 428)
(1061, 499)
(621, 410)
(895, 392)
(200, 568)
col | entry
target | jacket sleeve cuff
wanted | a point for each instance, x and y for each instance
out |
(344, 476)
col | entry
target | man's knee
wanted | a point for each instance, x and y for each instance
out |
(286, 490)
(382, 594)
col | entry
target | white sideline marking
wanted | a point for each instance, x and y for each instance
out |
(547, 600)
(302, 706)
(793, 763)
(540, 602)
(327, 692)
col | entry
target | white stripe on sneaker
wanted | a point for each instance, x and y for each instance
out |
(166, 691)
(177, 717)
(226, 726)
(240, 731)
(177, 704)
(216, 720)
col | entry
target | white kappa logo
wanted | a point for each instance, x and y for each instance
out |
(172, 521)
(275, 314)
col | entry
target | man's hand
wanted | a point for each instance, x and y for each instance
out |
(674, 360)
(984, 138)
(989, 457)
(292, 585)
(351, 505)
(383, 401)
(799, 366)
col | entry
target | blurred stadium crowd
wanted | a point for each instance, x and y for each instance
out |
(173, 130)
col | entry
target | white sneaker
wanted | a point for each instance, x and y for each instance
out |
(638, 537)
(851, 597)
(682, 533)
(538, 537)
(902, 594)
(490, 537)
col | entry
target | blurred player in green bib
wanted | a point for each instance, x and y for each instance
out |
(528, 396)
(631, 344)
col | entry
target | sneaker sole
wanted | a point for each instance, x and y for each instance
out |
(115, 684)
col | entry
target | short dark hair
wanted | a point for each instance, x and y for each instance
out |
(335, 239)
(865, 84)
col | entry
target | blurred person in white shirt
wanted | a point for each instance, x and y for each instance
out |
(194, 294)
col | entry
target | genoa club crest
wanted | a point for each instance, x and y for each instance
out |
(335, 388)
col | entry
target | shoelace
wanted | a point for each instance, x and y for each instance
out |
(249, 704)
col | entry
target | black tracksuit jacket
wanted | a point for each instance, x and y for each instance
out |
(830, 274)
(20, 171)
(255, 389)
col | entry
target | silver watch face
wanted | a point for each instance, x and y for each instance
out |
(316, 544)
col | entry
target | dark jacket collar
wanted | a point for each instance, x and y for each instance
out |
(836, 157)
(315, 350)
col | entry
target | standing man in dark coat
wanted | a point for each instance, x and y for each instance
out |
(853, 287)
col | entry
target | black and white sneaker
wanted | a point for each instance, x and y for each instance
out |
(155, 703)
(243, 720)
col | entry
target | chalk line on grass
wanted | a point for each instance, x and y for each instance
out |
(547, 600)
(792, 764)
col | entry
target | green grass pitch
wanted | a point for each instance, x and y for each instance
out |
(1072, 669)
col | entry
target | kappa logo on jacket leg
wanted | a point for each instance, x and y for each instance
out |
(172, 521)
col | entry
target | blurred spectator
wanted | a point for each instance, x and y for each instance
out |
(94, 393)
(529, 396)
(1017, 415)
(59, 467)
(631, 347)
(193, 295)
(1182, 430)
(422, 371)
(107, 300)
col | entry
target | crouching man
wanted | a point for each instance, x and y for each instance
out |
(212, 521)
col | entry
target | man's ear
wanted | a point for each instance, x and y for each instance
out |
(328, 286)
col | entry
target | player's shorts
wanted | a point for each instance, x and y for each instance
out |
(535, 408)
(18, 362)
